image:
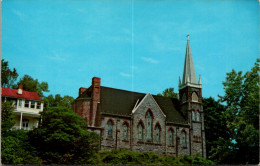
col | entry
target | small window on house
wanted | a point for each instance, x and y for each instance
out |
(183, 139)
(171, 140)
(25, 123)
(125, 132)
(157, 134)
(32, 104)
(193, 116)
(140, 132)
(26, 104)
(14, 103)
(110, 129)
(198, 116)
(20, 102)
(38, 105)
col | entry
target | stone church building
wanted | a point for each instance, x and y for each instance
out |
(146, 122)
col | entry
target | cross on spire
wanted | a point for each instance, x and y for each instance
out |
(188, 36)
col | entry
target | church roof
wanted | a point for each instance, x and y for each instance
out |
(189, 75)
(122, 102)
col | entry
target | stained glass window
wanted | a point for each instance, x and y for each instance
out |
(140, 132)
(110, 129)
(149, 122)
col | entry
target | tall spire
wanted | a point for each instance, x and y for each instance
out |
(189, 75)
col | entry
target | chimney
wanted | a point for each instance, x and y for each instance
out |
(96, 89)
(95, 99)
(82, 90)
(20, 89)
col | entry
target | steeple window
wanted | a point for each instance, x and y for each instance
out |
(193, 115)
(194, 97)
(198, 116)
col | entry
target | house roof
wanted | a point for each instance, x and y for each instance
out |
(122, 102)
(25, 95)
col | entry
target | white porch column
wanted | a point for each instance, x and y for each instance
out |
(21, 119)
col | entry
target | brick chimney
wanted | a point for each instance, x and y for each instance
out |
(95, 98)
(20, 89)
(82, 90)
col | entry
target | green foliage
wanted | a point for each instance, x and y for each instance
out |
(58, 101)
(122, 157)
(218, 141)
(62, 138)
(7, 117)
(8, 76)
(169, 92)
(242, 113)
(16, 149)
(33, 85)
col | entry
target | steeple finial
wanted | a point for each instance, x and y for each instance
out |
(200, 80)
(189, 75)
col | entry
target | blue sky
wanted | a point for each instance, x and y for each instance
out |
(132, 45)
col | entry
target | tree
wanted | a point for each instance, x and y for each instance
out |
(33, 85)
(169, 92)
(242, 101)
(7, 117)
(62, 138)
(218, 141)
(8, 76)
(58, 101)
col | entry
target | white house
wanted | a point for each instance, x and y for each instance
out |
(28, 106)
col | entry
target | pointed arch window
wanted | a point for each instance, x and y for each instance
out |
(194, 97)
(125, 132)
(157, 134)
(183, 139)
(171, 138)
(193, 116)
(149, 123)
(198, 116)
(110, 129)
(140, 132)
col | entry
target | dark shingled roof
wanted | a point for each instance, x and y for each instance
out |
(122, 102)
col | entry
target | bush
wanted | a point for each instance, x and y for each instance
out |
(16, 149)
(122, 157)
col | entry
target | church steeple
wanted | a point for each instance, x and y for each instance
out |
(189, 75)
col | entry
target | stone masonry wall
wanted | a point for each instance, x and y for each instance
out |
(117, 140)
(148, 103)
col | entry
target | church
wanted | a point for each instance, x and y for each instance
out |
(145, 122)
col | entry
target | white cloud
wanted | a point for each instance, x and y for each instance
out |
(57, 57)
(19, 14)
(133, 67)
(125, 74)
(150, 60)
